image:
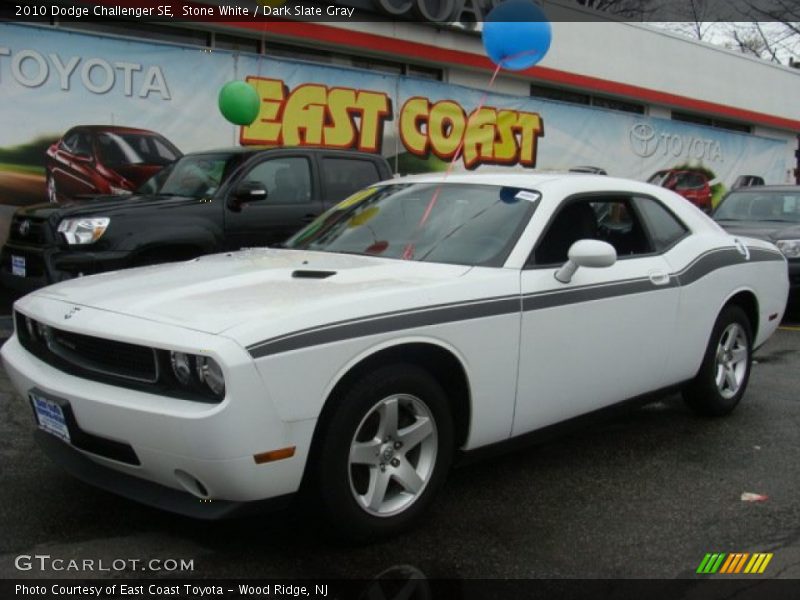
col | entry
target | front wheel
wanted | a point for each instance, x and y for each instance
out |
(725, 371)
(384, 452)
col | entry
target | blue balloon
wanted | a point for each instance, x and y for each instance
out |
(516, 34)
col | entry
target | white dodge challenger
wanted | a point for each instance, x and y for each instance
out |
(420, 318)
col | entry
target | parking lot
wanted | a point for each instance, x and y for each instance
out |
(645, 494)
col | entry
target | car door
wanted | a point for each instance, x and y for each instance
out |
(342, 176)
(291, 202)
(607, 334)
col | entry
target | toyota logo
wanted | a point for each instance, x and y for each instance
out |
(643, 140)
(24, 227)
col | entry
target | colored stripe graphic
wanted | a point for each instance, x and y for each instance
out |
(734, 563)
(711, 563)
(758, 563)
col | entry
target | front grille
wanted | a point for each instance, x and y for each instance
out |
(34, 263)
(75, 352)
(26, 230)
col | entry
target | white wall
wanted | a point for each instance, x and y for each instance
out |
(632, 54)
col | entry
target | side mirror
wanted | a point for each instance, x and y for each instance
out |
(247, 191)
(586, 253)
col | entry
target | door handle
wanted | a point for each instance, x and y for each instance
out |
(659, 277)
(308, 218)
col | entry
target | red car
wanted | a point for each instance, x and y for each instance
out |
(103, 159)
(692, 185)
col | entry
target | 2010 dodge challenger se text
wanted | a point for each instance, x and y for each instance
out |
(418, 318)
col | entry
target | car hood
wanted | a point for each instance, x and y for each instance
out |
(763, 230)
(217, 292)
(103, 206)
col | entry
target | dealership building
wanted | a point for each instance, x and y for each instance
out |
(626, 98)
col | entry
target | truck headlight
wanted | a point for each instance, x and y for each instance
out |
(790, 248)
(84, 230)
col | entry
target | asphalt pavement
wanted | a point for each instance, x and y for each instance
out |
(644, 495)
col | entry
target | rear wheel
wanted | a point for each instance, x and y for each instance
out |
(725, 372)
(384, 452)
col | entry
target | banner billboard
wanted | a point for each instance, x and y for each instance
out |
(53, 80)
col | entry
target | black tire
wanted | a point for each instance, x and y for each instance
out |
(703, 394)
(340, 487)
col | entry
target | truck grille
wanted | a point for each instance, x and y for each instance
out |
(79, 354)
(26, 230)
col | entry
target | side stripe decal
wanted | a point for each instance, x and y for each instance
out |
(489, 307)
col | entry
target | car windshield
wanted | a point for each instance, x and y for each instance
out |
(455, 223)
(761, 205)
(117, 149)
(197, 175)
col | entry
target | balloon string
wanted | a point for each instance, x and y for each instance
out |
(408, 252)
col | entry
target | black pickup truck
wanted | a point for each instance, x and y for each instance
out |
(204, 202)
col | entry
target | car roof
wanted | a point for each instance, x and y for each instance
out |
(768, 188)
(524, 180)
(114, 129)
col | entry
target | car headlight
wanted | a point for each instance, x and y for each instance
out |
(181, 367)
(83, 231)
(210, 373)
(118, 191)
(193, 371)
(790, 248)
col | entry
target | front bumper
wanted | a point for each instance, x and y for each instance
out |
(146, 492)
(173, 440)
(46, 265)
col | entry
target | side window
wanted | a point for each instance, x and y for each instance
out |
(287, 180)
(69, 142)
(610, 220)
(163, 152)
(343, 176)
(665, 229)
(82, 144)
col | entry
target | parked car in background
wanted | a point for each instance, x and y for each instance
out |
(588, 169)
(692, 185)
(103, 159)
(747, 181)
(769, 213)
(204, 202)
(419, 319)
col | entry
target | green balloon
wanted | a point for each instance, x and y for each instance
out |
(239, 102)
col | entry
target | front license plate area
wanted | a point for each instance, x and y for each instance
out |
(50, 417)
(18, 265)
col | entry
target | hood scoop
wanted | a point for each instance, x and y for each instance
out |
(311, 274)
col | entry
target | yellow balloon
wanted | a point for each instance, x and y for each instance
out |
(363, 217)
(356, 198)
